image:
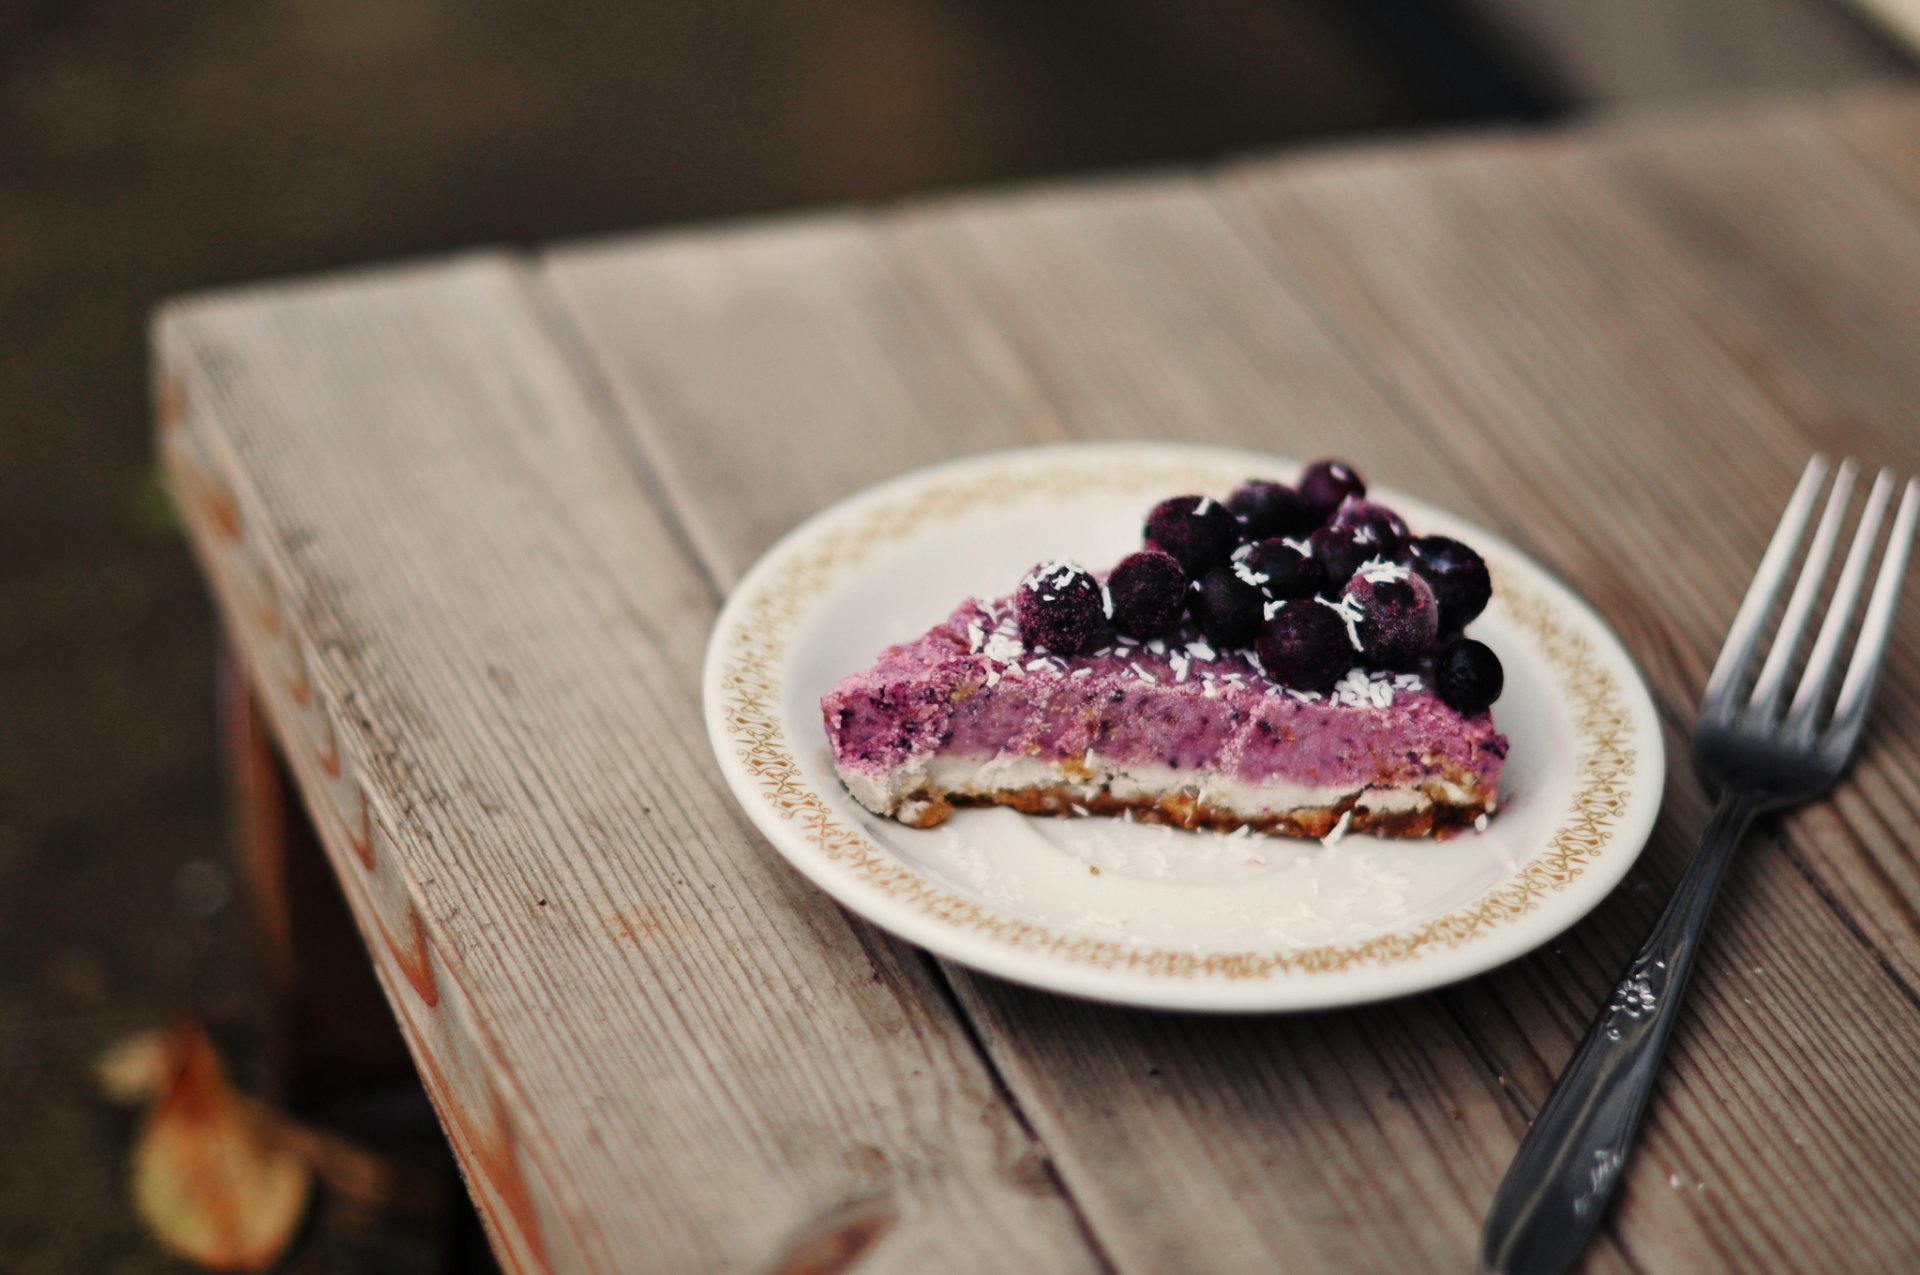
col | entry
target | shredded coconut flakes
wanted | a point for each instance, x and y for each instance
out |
(1380, 571)
(1347, 608)
(1339, 829)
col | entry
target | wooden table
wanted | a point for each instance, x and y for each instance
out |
(468, 522)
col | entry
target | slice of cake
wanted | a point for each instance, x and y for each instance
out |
(1289, 661)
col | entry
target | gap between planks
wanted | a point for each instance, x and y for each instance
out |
(652, 468)
(1029, 1030)
(443, 365)
(1438, 367)
(1037, 331)
(1056, 388)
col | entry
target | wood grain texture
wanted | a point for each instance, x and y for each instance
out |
(652, 1046)
(801, 372)
(1094, 284)
(1587, 364)
(1821, 265)
(469, 525)
(1366, 1141)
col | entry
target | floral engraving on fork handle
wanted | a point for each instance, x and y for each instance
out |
(1636, 997)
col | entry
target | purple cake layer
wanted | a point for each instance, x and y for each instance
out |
(969, 688)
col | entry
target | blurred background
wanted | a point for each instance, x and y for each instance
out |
(152, 148)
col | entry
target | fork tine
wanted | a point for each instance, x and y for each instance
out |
(1813, 573)
(1825, 656)
(1850, 710)
(1737, 652)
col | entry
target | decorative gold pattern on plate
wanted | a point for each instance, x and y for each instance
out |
(756, 645)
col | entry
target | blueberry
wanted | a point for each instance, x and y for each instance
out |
(1325, 483)
(1398, 616)
(1344, 550)
(1059, 607)
(1358, 511)
(1468, 676)
(1458, 576)
(1288, 572)
(1227, 607)
(1269, 509)
(1198, 530)
(1305, 646)
(1149, 592)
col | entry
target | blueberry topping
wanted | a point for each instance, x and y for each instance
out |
(1059, 607)
(1358, 511)
(1305, 646)
(1227, 607)
(1325, 483)
(1468, 676)
(1287, 572)
(1149, 592)
(1269, 509)
(1344, 550)
(1397, 618)
(1458, 576)
(1198, 530)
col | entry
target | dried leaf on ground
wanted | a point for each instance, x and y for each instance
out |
(213, 1175)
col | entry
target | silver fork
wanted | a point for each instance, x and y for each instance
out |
(1761, 758)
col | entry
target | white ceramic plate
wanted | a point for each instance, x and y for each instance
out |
(1186, 920)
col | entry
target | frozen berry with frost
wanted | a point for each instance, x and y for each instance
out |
(1059, 607)
(1267, 509)
(1468, 676)
(1344, 550)
(1396, 616)
(1305, 646)
(1227, 607)
(1387, 526)
(1286, 572)
(1458, 576)
(1149, 592)
(1198, 530)
(1325, 483)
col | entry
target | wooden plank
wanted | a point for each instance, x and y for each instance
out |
(1583, 365)
(650, 1043)
(328, 1031)
(1057, 272)
(798, 373)
(1193, 1144)
(1822, 266)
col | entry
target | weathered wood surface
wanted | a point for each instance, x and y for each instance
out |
(1190, 1143)
(1559, 338)
(653, 1047)
(496, 505)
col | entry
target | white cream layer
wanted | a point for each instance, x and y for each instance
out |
(898, 792)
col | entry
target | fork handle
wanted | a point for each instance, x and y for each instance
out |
(1557, 1189)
